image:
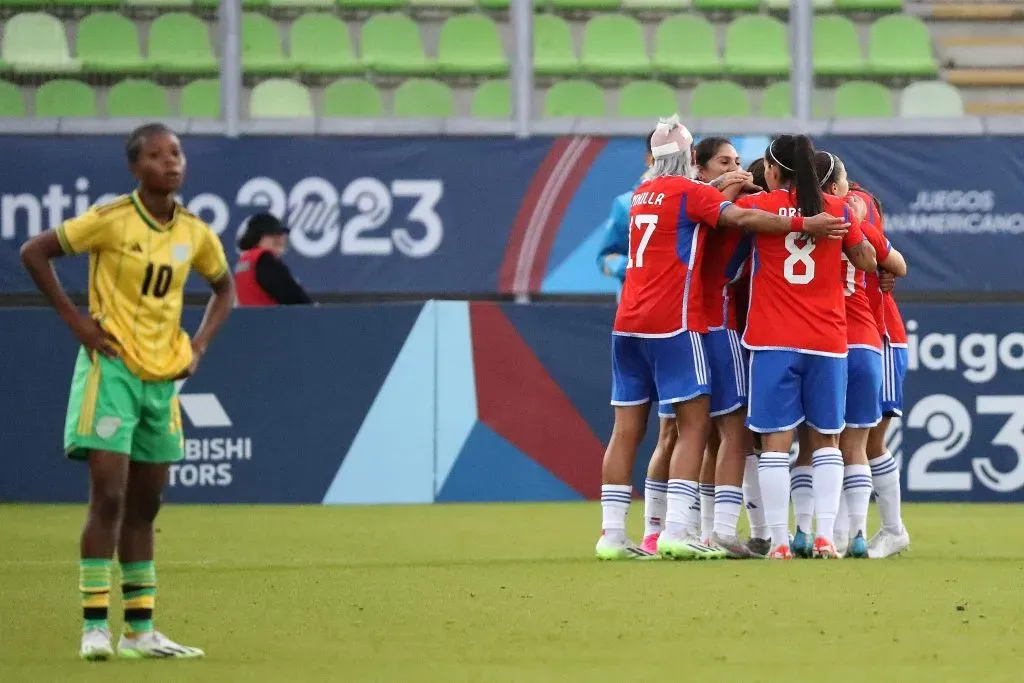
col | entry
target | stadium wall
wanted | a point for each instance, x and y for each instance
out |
(483, 216)
(456, 401)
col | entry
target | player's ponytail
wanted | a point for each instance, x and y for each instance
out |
(793, 155)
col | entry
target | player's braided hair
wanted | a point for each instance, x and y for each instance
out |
(793, 155)
(137, 138)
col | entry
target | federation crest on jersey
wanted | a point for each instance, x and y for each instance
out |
(180, 253)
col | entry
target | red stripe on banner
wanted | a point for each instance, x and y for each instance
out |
(576, 174)
(519, 400)
(507, 273)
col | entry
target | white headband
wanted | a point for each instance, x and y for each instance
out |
(831, 167)
(771, 153)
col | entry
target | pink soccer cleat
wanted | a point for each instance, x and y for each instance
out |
(650, 543)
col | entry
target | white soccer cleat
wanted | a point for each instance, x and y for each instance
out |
(886, 544)
(621, 549)
(842, 542)
(155, 645)
(96, 645)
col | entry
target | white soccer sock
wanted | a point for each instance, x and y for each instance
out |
(801, 488)
(773, 473)
(842, 525)
(682, 496)
(707, 510)
(615, 500)
(655, 503)
(828, 485)
(857, 492)
(752, 497)
(885, 476)
(728, 501)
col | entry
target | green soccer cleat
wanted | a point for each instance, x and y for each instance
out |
(687, 549)
(858, 547)
(620, 550)
(155, 645)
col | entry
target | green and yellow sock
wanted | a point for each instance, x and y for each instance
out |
(138, 586)
(94, 583)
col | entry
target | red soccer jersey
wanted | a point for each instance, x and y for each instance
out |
(722, 267)
(861, 324)
(797, 301)
(668, 221)
(883, 304)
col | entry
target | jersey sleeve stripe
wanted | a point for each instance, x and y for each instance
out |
(64, 243)
(220, 273)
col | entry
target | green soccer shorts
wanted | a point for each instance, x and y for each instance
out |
(111, 409)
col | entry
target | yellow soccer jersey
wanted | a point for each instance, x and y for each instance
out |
(137, 274)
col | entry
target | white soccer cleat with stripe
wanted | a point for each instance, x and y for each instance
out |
(622, 549)
(886, 544)
(155, 645)
(96, 645)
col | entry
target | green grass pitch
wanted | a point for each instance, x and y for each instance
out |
(511, 593)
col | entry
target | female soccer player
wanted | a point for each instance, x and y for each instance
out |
(864, 367)
(123, 415)
(657, 346)
(796, 331)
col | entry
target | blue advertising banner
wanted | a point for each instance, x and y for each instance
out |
(486, 215)
(450, 401)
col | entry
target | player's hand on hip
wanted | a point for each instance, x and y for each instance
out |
(94, 337)
(886, 281)
(826, 225)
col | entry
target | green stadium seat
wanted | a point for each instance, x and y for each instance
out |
(727, 5)
(12, 102)
(931, 99)
(65, 98)
(757, 46)
(777, 101)
(492, 100)
(862, 99)
(349, 97)
(447, 5)
(553, 53)
(109, 43)
(424, 97)
(574, 99)
(261, 47)
(686, 45)
(280, 98)
(470, 45)
(495, 5)
(372, 5)
(201, 99)
(580, 5)
(837, 47)
(614, 44)
(900, 45)
(647, 99)
(301, 4)
(35, 43)
(138, 97)
(391, 45)
(869, 5)
(660, 6)
(321, 45)
(167, 4)
(783, 5)
(180, 43)
(719, 99)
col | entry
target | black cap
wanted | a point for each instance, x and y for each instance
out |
(260, 225)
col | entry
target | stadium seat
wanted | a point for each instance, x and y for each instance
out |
(391, 45)
(35, 43)
(614, 44)
(492, 100)
(179, 43)
(352, 97)
(661, 6)
(900, 45)
(280, 98)
(261, 47)
(578, 5)
(714, 99)
(424, 97)
(647, 99)
(553, 53)
(469, 45)
(109, 43)
(931, 99)
(783, 5)
(686, 45)
(372, 5)
(137, 97)
(756, 46)
(301, 4)
(869, 5)
(65, 98)
(777, 101)
(494, 5)
(727, 5)
(321, 44)
(447, 5)
(201, 99)
(165, 4)
(837, 47)
(862, 99)
(574, 99)
(12, 103)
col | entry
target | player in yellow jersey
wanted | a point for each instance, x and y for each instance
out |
(123, 415)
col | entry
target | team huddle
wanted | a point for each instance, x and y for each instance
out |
(766, 290)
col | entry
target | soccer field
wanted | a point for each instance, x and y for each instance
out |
(511, 593)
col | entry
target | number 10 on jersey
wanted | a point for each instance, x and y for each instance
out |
(645, 223)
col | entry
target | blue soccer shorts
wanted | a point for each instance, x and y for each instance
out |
(667, 369)
(789, 387)
(894, 371)
(863, 388)
(728, 362)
